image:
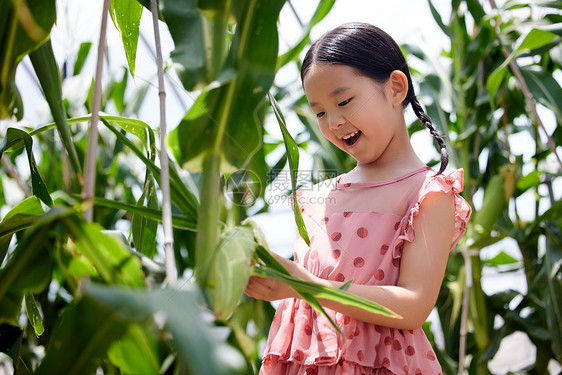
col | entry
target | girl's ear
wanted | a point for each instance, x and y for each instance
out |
(398, 86)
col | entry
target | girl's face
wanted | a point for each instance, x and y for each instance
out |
(355, 113)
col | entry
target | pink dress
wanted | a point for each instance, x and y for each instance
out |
(357, 231)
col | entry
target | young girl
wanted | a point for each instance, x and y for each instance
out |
(387, 225)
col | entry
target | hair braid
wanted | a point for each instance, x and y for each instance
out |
(426, 121)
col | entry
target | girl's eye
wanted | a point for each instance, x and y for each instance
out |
(345, 102)
(320, 114)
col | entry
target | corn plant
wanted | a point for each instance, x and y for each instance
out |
(98, 299)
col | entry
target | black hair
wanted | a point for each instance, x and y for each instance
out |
(374, 54)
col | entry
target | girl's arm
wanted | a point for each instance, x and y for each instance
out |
(421, 272)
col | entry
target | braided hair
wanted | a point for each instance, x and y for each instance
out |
(374, 54)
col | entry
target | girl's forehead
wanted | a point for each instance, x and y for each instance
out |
(324, 79)
(326, 75)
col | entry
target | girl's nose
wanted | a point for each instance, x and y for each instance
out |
(335, 121)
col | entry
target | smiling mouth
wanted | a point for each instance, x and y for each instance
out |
(350, 139)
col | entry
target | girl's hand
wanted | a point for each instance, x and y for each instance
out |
(268, 289)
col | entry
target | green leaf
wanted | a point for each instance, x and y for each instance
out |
(81, 57)
(19, 36)
(545, 89)
(534, 39)
(33, 314)
(230, 271)
(22, 216)
(118, 91)
(143, 228)
(178, 221)
(14, 139)
(322, 9)
(194, 340)
(501, 259)
(137, 351)
(181, 196)
(293, 157)
(437, 17)
(529, 181)
(223, 120)
(186, 28)
(29, 206)
(45, 65)
(511, 4)
(29, 267)
(115, 264)
(126, 15)
(309, 291)
(80, 342)
(322, 292)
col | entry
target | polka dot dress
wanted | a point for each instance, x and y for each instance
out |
(357, 232)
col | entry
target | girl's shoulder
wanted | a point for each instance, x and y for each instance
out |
(451, 183)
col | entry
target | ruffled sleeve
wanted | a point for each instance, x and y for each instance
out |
(454, 183)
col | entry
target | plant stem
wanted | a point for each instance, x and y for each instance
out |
(170, 260)
(464, 313)
(90, 164)
(208, 218)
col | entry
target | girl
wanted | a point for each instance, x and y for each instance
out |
(387, 225)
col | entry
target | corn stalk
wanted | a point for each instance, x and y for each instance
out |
(171, 272)
(88, 192)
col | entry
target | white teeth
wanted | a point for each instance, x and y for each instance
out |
(349, 135)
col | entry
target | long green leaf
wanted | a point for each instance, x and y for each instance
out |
(178, 221)
(115, 264)
(534, 39)
(29, 267)
(181, 196)
(270, 269)
(22, 216)
(15, 138)
(511, 4)
(45, 65)
(309, 291)
(186, 28)
(126, 15)
(437, 17)
(322, 9)
(81, 57)
(194, 340)
(86, 331)
(545, 89)
(223, 119)
(292, 150)
(136, 352)
(19, 36)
